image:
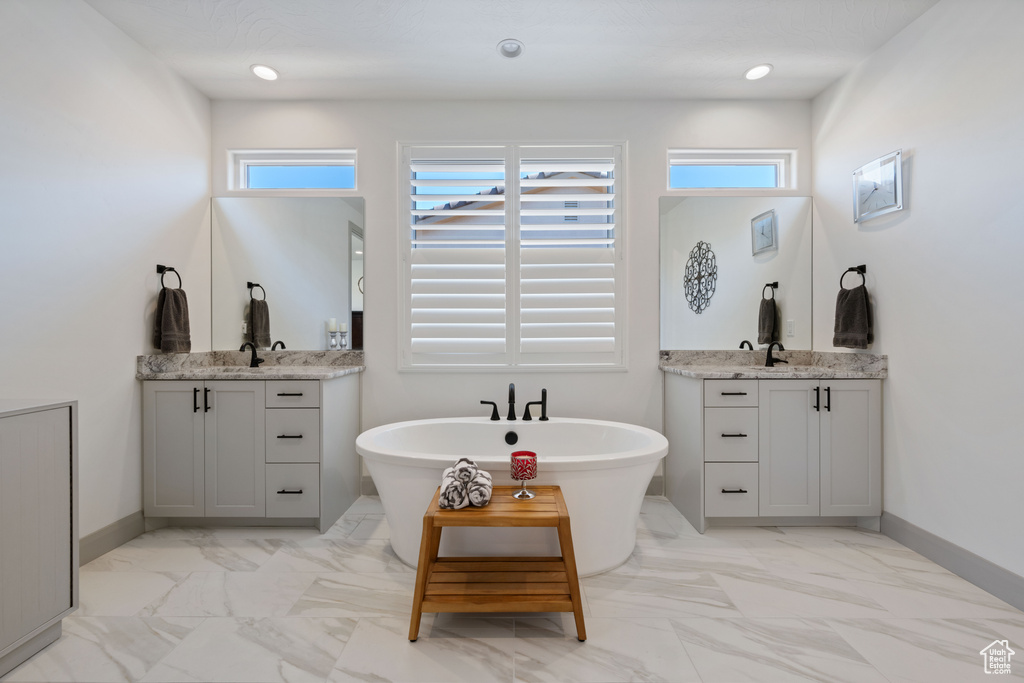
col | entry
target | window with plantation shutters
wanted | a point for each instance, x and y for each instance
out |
(513, 256)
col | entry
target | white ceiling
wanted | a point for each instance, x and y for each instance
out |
(575, 49)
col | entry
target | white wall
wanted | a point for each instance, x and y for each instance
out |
(104, 172)
(376, 128)
(945, 272)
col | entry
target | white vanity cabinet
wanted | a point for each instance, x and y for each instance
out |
(773, 448)
(250, 449)
(38, 525)
(821, 447)
(203, 449)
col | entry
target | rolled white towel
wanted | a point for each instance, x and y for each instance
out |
(464, 470)
(453, 494)
(479, 489)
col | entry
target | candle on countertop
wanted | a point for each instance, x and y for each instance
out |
(332, 325)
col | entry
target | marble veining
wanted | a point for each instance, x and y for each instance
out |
(745, 364)
(235, 365)
(735, 604)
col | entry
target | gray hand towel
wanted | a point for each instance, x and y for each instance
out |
(259, 323)
(171, 329)
(853, 319)
(767, 322)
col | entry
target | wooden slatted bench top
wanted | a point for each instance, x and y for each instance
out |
(498, 584)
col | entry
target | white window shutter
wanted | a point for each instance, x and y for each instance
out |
(513, 256)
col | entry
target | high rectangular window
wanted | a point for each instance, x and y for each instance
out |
(730, 169)
(279, 169)
(512, 256)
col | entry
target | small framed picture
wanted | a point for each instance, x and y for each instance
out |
(878, 187)
(764, 233)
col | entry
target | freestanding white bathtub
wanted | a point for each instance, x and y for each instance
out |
(602, 467)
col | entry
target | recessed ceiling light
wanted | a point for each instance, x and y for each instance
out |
(264, 72)
(510, 47)
(759, 71)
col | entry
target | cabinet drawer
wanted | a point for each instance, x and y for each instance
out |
(293, 490)
(730, 435)
(729, 392)
(299, 393)
(293, 435)
(732, 477)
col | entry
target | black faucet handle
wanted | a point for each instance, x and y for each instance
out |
(257, 361)
(526, 413)
(494, 409)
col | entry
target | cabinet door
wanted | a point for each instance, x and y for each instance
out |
(787, 448)
(172, 449)
(235, 449)
(851, 447)
(35, 521)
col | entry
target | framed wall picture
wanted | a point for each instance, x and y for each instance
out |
(764, 233)
(878, 187)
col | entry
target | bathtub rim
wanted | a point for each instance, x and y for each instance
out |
(657, 449)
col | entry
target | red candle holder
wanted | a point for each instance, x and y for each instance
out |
(523, 467)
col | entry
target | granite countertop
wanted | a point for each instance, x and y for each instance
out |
(235, 365)
(750, 365)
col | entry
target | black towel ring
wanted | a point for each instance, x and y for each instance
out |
(254, 285)
(773, 285)
(854, 269)
(163, 270)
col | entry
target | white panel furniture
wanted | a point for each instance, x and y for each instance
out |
(773, 451)
(38, 525)
(250, 449)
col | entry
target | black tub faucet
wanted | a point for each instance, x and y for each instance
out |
(747, 342)
(543, 403)
(254, 362)
(770, 362)
(511, 401)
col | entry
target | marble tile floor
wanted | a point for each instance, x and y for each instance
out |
(735, 604)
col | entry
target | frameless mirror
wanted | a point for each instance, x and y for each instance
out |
(727, 226)
(298, 249)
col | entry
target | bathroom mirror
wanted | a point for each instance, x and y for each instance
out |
(299, 251)
(731, 314)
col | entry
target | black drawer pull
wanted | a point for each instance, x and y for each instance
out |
(290, 394)
(734, 436)
(734, 393)
(286, 491)
(290, 436)
(195, 399)
(734, 491)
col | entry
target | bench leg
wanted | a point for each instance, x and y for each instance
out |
(569, 557)
(429, 542)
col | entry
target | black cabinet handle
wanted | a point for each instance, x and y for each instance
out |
(734, 393)
(828, 399)
(195, 399)
(734, 490)
(286, 491)
(290, 436)
(290, 394)
(734, 436)
(817, 398)
(206, 400)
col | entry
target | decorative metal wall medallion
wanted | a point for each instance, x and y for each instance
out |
(699, 280)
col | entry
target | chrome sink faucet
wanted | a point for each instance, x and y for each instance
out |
(770, 362)
(254, 362)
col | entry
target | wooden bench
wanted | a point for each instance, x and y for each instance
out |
(498, 584)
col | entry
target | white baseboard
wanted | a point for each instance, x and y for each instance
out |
(990, 577)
